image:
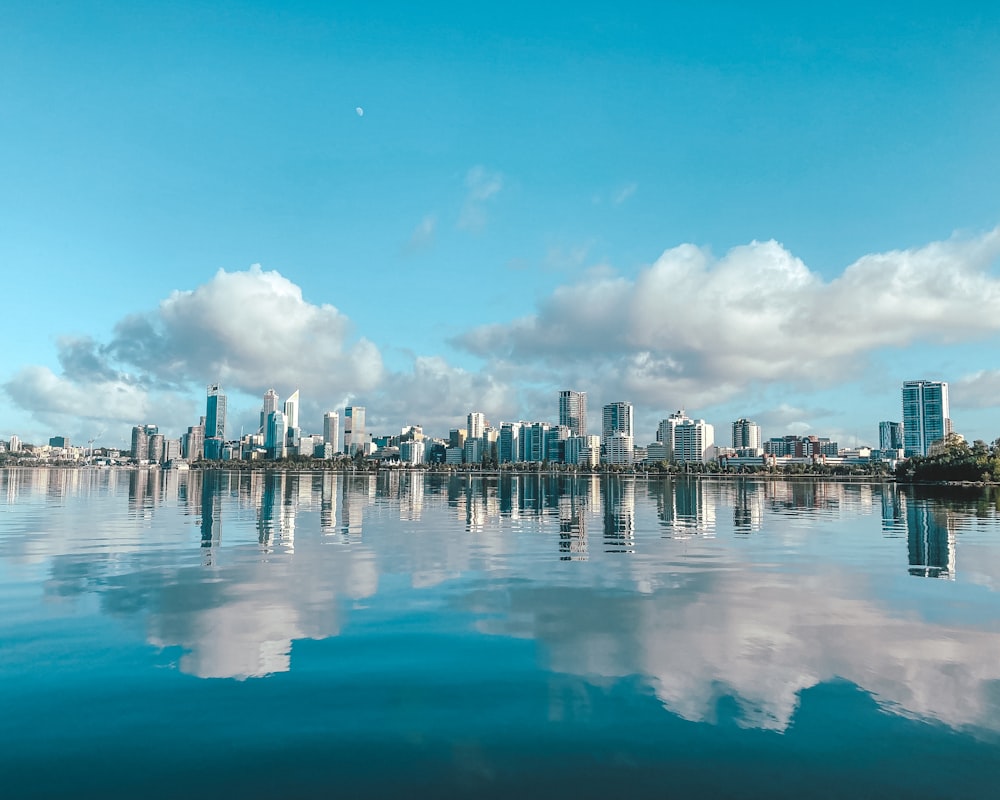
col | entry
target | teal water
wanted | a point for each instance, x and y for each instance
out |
(297, 635)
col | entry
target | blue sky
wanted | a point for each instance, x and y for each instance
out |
(493, 227)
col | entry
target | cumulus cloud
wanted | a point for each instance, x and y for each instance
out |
(704, 328)
(439, 396)
(249, 330)
(481, 186)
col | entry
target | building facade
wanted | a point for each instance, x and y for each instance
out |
(926, 415)
(215, 412)
(747, 436)
(573, 411)
(354, 429)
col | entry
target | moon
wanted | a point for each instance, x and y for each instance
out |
(360, 111)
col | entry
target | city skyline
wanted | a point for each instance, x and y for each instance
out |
(767, 212)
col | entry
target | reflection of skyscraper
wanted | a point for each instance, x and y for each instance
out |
(619, 515)
(930, 543)
(925, 415)
(748, 507)
(211, 518)
(572, 523)
(573, 411)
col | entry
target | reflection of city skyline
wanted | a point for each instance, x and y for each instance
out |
(237, 615)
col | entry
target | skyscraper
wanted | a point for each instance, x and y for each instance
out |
(292, 410)
(617, 418)
(926, 416)
(746, 435)
(890, 436)
(215, 413)
(331, 428)
(354, 429)
(275, 432)
(573, 411)
(476, 425)
(270, 404)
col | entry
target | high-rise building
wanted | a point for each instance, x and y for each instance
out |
(694, 441)
(331, 429)
(890, 436)
(140, 441)
(156, 448)
(292, 410)
(573, 411)
(619, 448)
(215, 413)
(688, 440)
(354, 429)
(476, 426)
(275, 434)
(193, 443)
(747, 436)
(617, 418)
(270, 404)
(926, 416)
(508, 449)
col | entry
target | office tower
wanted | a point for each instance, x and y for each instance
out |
(215, 413)
(292, 410)
(274, 434)
(140, 443)
(694, 441)
(193, 443)
(619, 448)
(535, 436)
(508, 444)
(270, 404)
(354, 429)
(573, 411)
(746, 435)
(15, 443)
(156, 448)
(890, 436)
(476, 426)
(617, 418)
(331, 428)
(925, 415)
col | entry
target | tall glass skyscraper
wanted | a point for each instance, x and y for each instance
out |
(926, 416)
(617, 418)
(573, 411)
(215, 413)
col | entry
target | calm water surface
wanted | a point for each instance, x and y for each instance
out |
(297, 635)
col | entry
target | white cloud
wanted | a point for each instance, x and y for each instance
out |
(481, 186)
(702, 329)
